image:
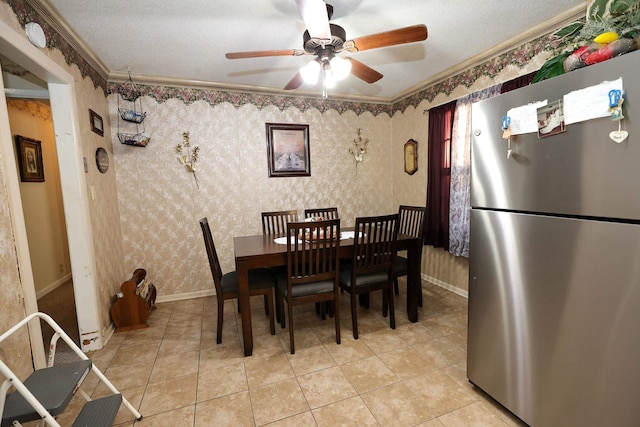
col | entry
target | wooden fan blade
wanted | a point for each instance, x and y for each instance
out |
(295, 82)
(261, 53)
(364, 72)
(411, 34)
(315, 17)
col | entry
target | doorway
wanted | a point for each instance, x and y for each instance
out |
(64, 113)
(30, 117)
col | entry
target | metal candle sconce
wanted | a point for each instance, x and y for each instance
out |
(360, 148)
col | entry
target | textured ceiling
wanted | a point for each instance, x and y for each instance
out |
(167, 40)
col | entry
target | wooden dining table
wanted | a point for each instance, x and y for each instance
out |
(262, 251)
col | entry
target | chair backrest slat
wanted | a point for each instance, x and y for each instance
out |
(411, 220)
(326, 213)
(312, 250)
(374, 244)
(274, 223)
(214, 262)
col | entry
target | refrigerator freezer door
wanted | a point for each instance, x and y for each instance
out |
(554, 310)
(578, 172)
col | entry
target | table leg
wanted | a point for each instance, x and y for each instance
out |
(414, 285)
(245, 306)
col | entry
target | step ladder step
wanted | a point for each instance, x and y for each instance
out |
(53, 387)
(100, 412)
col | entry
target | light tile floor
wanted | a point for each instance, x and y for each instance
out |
(414, 375)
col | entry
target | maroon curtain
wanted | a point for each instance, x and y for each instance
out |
(439, 151)
(517, 83)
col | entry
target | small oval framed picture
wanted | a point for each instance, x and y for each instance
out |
(102, 160)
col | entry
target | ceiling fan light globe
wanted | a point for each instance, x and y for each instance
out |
(310, 72)
(340, 67)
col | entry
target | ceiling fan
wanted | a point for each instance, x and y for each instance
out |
(325, 41)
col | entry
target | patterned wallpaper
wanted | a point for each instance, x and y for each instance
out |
(160, 204)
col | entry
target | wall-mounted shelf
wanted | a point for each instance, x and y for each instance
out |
(137, 139)
(131, 116)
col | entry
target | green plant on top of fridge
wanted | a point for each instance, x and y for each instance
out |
(611, 28)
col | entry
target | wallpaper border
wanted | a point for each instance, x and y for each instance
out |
(238, 99)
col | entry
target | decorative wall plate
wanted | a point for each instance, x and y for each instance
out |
(102, 160)
(411, 156)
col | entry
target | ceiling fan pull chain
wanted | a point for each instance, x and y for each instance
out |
(324, 85)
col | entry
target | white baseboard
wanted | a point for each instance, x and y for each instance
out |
(456, 290)
(211, 292)
(188, 295)
(53, 286)
(107, 336)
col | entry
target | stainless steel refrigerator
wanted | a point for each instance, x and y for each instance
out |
(554, 286)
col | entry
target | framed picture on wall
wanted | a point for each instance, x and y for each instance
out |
(288, 150)
(30, 159)
(96, 123)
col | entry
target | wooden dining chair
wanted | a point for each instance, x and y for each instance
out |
(276, 222)
(410, 223)
(312, 274)
(261, 282)
(326, 213)
(371, 267)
